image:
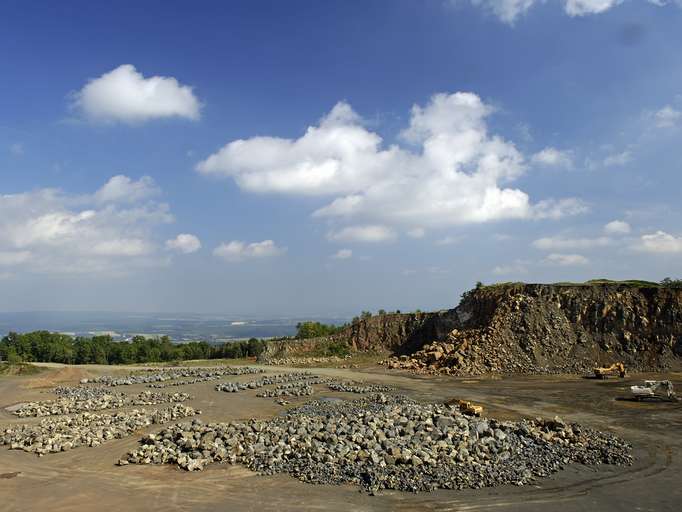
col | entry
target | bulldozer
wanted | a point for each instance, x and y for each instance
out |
(614, 369)
(466, 407)
(658, 389)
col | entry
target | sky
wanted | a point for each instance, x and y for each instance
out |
(322, 158)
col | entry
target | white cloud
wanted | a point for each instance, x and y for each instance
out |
(17, 149)
(566, 260)
(455, 173)
(561, 243)
(667, 117)
(552, 157)
(184, 243)
(370, 233)
(236, 251)
(9, 258)
(124, 189)
(343, 254)
(449, 240)
(123, 94)
(618, 159)
(416, 233)
(47, 231)
(660, 242)
(617, 227)
(508, 11)
(516, 268)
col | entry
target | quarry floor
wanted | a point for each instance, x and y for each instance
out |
(86, 479)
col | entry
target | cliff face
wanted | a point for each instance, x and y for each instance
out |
(558, 328)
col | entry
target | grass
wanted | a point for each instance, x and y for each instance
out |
(19, 369)
(631, 283)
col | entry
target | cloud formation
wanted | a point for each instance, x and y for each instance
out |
(343, 254)
(122, 188)
(561, 243)
(48, 231)
(124, 95)
(660, 242)
(667, 117)
(371, 233)
(184, 243)
(552, 157)
(566, 260)
(617, 227)
(237, 251)
(453, 172)
(509, 11)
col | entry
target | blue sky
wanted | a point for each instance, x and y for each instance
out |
(318, 158)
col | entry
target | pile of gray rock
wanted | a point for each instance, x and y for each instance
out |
(384, 442)
(195, 375)
(81, 399)
(305, 361)
(293, 389)
(353, 387)
(269, 380)
(63, 433)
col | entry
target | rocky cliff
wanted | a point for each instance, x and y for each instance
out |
(541, 328)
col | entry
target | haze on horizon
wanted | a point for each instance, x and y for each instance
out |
(321, 158)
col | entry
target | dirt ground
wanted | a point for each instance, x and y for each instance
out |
(86, 479)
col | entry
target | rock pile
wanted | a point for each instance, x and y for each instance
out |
(305, 361)
(382, 442)
(83, 400)
(293, 389)
(353, 387)
(270, 380)
(53, 435)
(153, 376)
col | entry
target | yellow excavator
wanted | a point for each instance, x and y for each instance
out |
(606, 371)
(466, 407)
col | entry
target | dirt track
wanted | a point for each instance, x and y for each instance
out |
(86, 478)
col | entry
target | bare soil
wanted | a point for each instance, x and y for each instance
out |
(86, 479)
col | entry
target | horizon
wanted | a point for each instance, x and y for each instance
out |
(308, 160)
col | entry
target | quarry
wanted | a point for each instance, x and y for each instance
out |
(379, 428)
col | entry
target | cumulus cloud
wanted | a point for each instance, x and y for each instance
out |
(237, 251)
(552, 157)
(122, 188)
(123, 94)
(508, 11)
(660, 242)
(343, 254)
(667, 117)
(184, 243)
(416, 233)
(452, 172)
(560, 243)
(566, 260)
(516, 268)
(48, 231)
(618, 159)
(617, 227)
(449, 240)
(371, 233)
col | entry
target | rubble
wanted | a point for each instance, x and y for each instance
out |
(64, 433)
(85, 399)
(155, 377)
(383, 442)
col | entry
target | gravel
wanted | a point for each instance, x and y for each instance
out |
(155, 377)
(385, 442)
(83, 399)
(64, 433)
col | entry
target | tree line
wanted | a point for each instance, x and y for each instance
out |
(52, 347)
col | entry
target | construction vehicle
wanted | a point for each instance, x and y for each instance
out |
(658, 389)
(615, 368)
(466, 407)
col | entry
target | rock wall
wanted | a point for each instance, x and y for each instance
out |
(536, 328)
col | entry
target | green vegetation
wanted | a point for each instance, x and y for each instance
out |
(671, 283)
(329, 349)
(306, 330)
(59, 348)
